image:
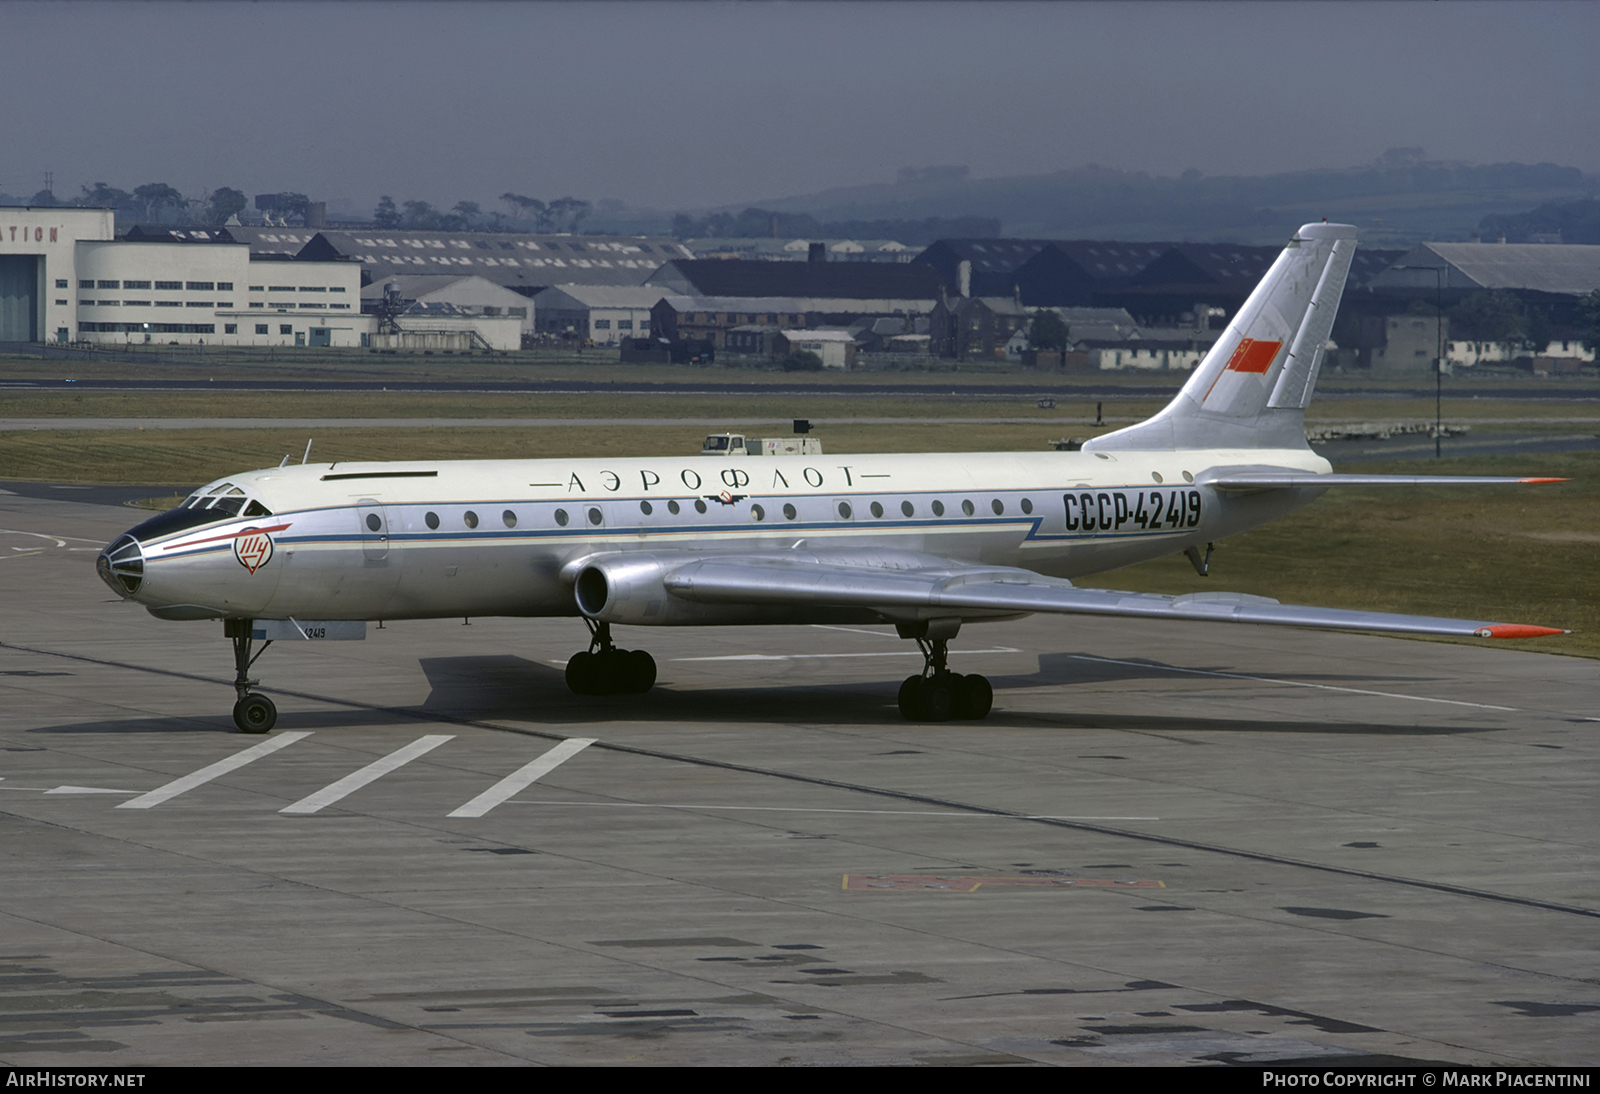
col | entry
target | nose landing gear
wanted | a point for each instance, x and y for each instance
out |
(603, 669)
(252, 713)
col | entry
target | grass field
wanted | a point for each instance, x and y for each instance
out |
(323, 365)
(1524, 554)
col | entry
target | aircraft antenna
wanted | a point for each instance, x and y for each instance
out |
(307, 456)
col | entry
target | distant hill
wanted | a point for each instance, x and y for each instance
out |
(1397, 201)
(1565, 222)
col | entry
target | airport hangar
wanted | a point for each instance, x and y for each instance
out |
(65, 277)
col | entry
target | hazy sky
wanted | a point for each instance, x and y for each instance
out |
(686, 105)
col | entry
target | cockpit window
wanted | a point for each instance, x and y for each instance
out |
(224, 501)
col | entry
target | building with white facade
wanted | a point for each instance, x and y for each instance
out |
(65, 278)
(39, 274)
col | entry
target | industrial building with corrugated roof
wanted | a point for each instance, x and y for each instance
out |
(890, 286)
(526, 263)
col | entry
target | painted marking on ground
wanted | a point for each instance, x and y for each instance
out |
(963, 884)
(87, 790)
(858, 812)
(1288, 683)
(212, 771)
(374, 771)
(855, 630)
(523, 777)
(811, 656)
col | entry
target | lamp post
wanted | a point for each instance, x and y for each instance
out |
(1438, 361)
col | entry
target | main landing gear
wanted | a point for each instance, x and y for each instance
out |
(252, 713)
(603, 669)
(937, 694)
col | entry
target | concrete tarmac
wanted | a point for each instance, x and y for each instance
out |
(1171, 843)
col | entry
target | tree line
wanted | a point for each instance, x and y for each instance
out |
(565, 214)
(158, 202)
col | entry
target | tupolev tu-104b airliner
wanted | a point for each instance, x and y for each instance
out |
(927, 542)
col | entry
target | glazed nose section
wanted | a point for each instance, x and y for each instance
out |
(121, 566)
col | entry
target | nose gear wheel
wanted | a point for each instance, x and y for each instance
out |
(253, 713)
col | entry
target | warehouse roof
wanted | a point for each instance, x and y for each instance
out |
(834, 280)
(513, 259)
(1540, 267)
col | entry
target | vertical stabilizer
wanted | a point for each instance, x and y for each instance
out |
(1251, 390)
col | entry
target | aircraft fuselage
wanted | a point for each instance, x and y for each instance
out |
(507, 537)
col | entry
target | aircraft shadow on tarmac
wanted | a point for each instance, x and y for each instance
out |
(511, 687)
(505, 686)
(1092, 668)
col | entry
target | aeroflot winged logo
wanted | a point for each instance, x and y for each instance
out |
(253, 548)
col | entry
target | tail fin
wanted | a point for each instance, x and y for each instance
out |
(1252, 389)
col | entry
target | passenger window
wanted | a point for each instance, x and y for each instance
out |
(906, 508)
(595, 517)
(470, 519)
(967, 507)
(758, 512)
(699, 506)
(672, 507)
(431, 520)
(877, 509)
(645, 508)
(938, 508)
(373, 523)
(510, 518)
(844, 510)
(561, 517)
(998, 506)
(789, 512)
(1027, 506)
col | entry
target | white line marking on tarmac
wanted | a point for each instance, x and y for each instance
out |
(1289, 683)
(212, 771)
(59, 541)
(87, 790)
(856, 630)
(523, 777)
(858, 812)
(811, 656)
(377, 769)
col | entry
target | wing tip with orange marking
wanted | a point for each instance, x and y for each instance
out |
(1517, 630)
(1531, 482)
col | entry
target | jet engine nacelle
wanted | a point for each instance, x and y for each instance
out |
(629, 589)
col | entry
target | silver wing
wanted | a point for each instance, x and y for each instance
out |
(1243, 481)
(903, 587)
